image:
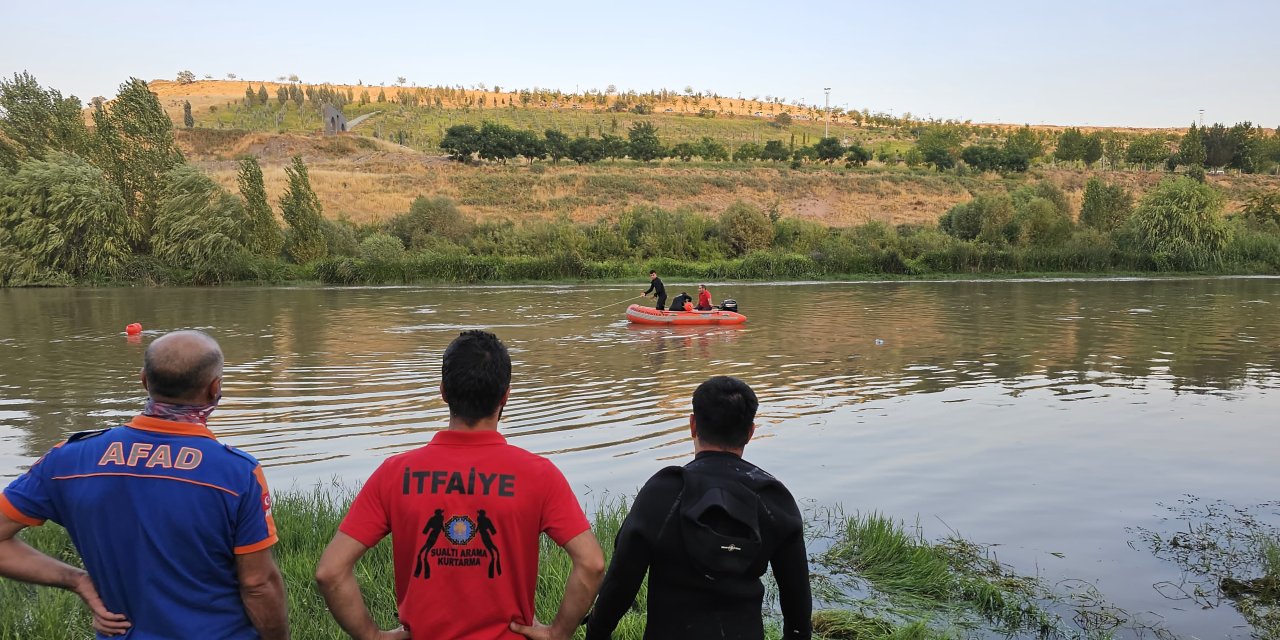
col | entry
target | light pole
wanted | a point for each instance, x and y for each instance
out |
(1202, 118)
(826, 128)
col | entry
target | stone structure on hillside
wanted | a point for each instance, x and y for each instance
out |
(334, 121)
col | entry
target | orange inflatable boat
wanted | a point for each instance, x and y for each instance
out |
(649, 315)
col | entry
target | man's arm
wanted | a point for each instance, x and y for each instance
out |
(19, 561)
(791, 571)
(336, 577)
(579, 591)
(262, 592)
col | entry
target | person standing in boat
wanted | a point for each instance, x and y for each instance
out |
(682, 302)
(658, 289)
(704, 298)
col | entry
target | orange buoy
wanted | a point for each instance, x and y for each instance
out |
(133, 329)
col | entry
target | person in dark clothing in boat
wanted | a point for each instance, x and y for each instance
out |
(658, 289)
(706, 532)
(682, 302)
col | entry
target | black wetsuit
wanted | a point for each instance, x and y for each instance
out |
(697, 591)
(659, 291)
(678, 303)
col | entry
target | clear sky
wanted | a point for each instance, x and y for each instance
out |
(1118, 62)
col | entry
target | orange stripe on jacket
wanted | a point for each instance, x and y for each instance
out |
(139, 475)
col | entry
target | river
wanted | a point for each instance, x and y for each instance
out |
(1050, 417)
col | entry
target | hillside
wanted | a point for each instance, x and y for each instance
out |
(366, 179)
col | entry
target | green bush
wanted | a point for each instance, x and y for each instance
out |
(746, 228)
(428, 217)
(1180, 226)
(381, 247)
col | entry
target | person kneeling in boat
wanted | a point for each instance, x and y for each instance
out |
(682, 302)
(704, 299)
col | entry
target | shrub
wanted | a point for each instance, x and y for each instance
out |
(198, 226)
(746, 228)
(428, 217)
(1106, 207)
(1179, 224)
(381, 247)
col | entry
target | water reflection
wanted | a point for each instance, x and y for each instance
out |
(319, 374)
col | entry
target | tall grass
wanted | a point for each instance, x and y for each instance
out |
(939, 578)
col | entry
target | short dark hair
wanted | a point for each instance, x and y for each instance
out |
(652, 272)
(724, 409)
(175, 377)
(475, 375)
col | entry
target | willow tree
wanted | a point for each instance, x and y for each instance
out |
(262, 235)
(305, 241)
(199, 226)
(37, 120)
(60, 218)
(134, 146)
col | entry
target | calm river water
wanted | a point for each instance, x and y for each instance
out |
(1050, 417)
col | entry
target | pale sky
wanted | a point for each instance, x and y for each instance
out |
(1116, 63)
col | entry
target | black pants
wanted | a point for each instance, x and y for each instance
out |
(662, 304)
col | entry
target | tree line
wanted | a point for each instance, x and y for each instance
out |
(116, 200)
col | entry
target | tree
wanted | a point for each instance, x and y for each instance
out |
(746, 152)
(775, 151)
(614, 147)
(186, 77)
(60, 217)
(1114, 149)
(939, 146)
(37, 120)
(528, 145)
(585, 150)
(461, 141)
(712, 150)
(1022, 146)
(782, 120)
(557, 145)
(745, 228)
(401, 80)
(262, 236)
(263, 97)
(198, 225)
(1071, 144)
(1191, 150)
(684, 150)
(1092, 151)
(983, 157)
(134, 146)
(282, 95)
(187, 120)
(305, 242)
(1147, 150)
(1106, 207)
(858, 156)
(382, 95)
(1180, 225)
(828, 150)
(644, 143)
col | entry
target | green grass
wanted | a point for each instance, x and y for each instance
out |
(873, 579)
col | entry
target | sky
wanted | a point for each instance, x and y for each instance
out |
(1115, 63)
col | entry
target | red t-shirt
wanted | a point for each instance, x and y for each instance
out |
(464, 514)
(704, 299)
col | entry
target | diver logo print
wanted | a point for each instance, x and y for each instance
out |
(460, 531)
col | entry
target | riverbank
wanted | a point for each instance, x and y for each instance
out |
(873, 578)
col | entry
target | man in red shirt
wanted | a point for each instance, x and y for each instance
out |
(704, 298)
(465, 513)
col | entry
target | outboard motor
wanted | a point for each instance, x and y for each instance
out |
(729, 304)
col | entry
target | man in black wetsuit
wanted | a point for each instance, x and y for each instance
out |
(678, 303)
(706, 532)
(658, 289)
